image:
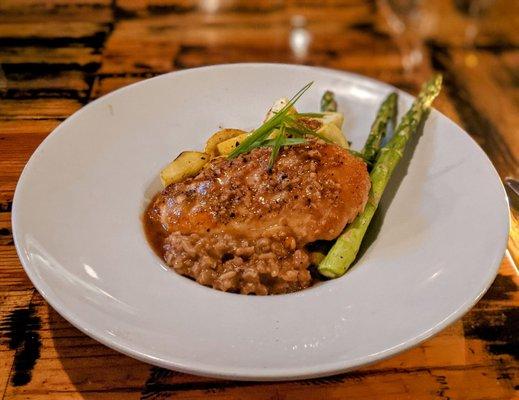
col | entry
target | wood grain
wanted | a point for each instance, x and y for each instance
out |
(57, 55)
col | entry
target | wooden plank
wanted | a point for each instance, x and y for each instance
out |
(153, 43)
(493, 124)
(513, 241)
(60, 84)
(11, 272)
(69, 359)
(458, 26)
(18, 140)
(58, 11)
(453, 24)
(10, 302)
(38, 108)
(49, 30)
(493, 81)
(28, 5)
(82, 57)
(107, 84)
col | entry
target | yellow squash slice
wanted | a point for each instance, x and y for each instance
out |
(219, 137)
(188, 163)
(229, 145)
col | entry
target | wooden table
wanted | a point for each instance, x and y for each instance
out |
(57, 55)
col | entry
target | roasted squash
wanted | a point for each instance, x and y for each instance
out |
(188, 163)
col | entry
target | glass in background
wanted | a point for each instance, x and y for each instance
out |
(403, 18)
(475, 10)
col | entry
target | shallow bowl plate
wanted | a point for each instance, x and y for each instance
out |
(433, 251)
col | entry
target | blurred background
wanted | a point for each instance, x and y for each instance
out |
(57, 55)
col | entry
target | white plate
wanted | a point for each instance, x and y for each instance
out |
(77, 227)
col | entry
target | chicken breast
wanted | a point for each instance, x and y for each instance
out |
(238, 226)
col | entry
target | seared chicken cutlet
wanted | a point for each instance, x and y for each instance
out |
(239, 227)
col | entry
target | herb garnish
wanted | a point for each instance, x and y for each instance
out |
(283, 129)
(258, 136)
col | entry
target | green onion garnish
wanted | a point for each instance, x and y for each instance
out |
(268, 126)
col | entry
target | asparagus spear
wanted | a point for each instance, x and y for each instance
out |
(386, 114)
(345, 249)
(328, 102)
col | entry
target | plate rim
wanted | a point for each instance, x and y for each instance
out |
(257, 373)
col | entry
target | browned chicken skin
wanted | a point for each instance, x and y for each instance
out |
(237, 226)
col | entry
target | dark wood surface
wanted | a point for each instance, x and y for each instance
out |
(57, 55)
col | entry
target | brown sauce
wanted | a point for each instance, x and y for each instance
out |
(153, 229)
